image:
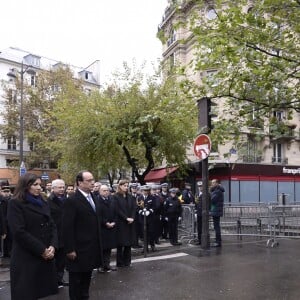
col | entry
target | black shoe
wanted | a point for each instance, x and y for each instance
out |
(101, 270)
(62, 284)
(137, 247)
(109, 269)
(176, 244)
(216, 245)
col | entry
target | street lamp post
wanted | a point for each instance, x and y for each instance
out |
(22, 118)
(21, 133)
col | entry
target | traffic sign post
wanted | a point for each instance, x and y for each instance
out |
(202, 147)
(45, 176)
(22, 168)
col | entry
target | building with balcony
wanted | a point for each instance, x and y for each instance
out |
(267, 162)
(13, 62)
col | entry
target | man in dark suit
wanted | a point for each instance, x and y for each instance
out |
(56, 201)
(82, 232)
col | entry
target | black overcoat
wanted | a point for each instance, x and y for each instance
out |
(82, 233)
(126, 208)
(108, 214)
(56, 210)
(33, 230)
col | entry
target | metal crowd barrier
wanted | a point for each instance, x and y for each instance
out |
(187, 227)
(257, 220)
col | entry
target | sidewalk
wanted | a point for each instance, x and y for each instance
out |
(240, 270)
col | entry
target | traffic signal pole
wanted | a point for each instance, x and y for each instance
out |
(203, 123)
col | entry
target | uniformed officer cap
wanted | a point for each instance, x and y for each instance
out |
(5, 189)
(155, 186)
(134, 185)
(145, 188)
(173, 190)
(164, 185)
(199, 183)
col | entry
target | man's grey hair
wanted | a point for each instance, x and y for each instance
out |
(57, 182)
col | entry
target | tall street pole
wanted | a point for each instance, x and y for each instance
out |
(203, 124)
(21, 155)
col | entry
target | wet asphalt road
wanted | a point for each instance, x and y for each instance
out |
(239, 270)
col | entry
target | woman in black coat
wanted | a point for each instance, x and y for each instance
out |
(125, 209)
(32, 269)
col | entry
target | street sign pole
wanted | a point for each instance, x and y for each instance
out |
(205, 239)
(204, 124)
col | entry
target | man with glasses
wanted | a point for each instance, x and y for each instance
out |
(108, 227)
(82, 236)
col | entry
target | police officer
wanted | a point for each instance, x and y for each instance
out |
(151, 206)
(173, 212)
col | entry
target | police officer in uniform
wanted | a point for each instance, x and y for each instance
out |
(173, 212)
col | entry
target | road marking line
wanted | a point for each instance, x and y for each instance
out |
(159, 257)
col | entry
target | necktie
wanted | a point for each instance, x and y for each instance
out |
(91, 201)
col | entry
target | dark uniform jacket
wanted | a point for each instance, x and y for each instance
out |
(172, 207)
(125, 208)
(82, 233)
(33, 230)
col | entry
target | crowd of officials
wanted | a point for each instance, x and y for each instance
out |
(76, 227)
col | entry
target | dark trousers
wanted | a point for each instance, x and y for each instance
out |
(79, 285)
(173, 229)
(199, 227)
(123, 256)
(106, 258)
(60, 262)
(164, 228)
(217, 228)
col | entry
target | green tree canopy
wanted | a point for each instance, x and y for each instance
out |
(254, 51)
(135, 122)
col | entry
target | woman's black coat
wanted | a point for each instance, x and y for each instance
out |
(125, 207)
(33, 230)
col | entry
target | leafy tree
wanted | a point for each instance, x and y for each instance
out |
(255, 53)
(39, 122)
(134, 122)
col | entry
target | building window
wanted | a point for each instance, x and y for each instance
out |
(86, 75)
(33, 80)
(12, 96)
(11, 143)
(277, 153)
(279, 115)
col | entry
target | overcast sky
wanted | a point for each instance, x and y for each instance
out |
(79, 32)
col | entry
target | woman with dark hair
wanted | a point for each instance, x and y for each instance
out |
(32, 266)
(125, 209)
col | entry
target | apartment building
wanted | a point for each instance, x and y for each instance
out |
(263, 169)
(15, 63)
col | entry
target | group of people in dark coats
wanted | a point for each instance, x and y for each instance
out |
(75, 231)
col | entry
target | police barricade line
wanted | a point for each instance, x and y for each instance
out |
(263, 220)
(245, 220)
(284, 222)
(187, 226)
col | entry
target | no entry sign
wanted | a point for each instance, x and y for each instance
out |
(202, 146)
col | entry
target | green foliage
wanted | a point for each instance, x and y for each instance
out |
(256, 54)
(134, 123)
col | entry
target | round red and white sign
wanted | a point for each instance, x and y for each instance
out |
(202, 146)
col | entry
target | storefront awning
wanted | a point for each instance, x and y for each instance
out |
(159, 174)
